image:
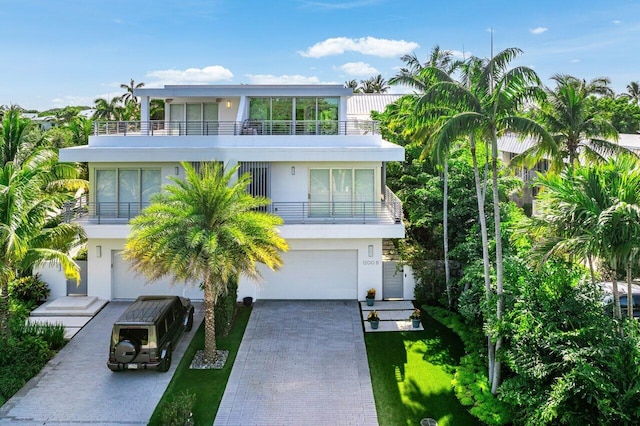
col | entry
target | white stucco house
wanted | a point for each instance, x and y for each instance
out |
(323, 171)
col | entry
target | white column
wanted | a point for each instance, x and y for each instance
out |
(144, 115)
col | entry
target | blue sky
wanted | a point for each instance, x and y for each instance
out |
(69, 52)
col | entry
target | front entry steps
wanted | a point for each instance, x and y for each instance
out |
(74, 312)
(394, 315)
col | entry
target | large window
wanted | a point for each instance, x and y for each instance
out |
(124, 192)
(341, 192)
(304, 115)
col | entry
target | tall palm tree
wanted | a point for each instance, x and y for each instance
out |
(374, 84)
(484, 108)
(31, 196)
(206, 228)
(107, 109)
(12, 139)
(633, 92)
(128, 96)
(575, 130)
(352, 84)
(413, 76)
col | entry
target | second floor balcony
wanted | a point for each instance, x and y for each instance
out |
(236, 128)
(384, 212)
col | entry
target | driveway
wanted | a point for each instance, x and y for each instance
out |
(77, 387)
(300, 362)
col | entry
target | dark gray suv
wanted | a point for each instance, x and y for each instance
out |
(146, 334)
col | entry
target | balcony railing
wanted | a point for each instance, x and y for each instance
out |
(231, 128)
(366, 212)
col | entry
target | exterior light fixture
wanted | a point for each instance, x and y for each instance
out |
(177, 171)
(98, 251)
(293, 170)
(370, 250)
(228, 103)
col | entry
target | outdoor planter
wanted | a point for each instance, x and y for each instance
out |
(370, 301)
(247, 301)
(374, 324)
(374, 320)
(415, 323)
(415, 318)
(371, 296)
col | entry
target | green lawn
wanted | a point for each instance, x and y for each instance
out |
(207, 385)
(411, 374)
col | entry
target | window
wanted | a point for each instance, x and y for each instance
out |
(341, 192)
(309, 115)
(124, 192)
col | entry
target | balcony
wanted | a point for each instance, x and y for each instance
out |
(233, 128)
(384, 212)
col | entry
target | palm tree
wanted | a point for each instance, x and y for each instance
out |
(206, 228)
(352, 84)
(633, 92)
(128, 96)
(414, 77)
(107, 109)
(31, 196)
(593, 211)
(374, 84)
(483, 108)
(12, 140)
(566, 116)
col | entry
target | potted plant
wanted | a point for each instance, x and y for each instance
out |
(371, 296)
(373, 319)
(415, 318)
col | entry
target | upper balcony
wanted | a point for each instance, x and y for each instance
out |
(236, 128)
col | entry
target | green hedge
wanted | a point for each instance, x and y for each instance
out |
(226, 308)
(20, 360)
(470, 381)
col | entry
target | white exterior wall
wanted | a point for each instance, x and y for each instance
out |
(409, 282)
(54, 276)
(369, 268)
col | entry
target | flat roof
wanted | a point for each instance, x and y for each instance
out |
(218, 90)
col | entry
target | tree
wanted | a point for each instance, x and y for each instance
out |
(206, 228)
(374, 84)
(487, 105)
(574, 129)
(412, 75)
(31, 196)
(128, 96)
(352, 84)
(107, 109)
(633, 92)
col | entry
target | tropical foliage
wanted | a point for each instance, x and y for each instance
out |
(205, 228)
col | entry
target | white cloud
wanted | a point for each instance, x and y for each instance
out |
(538, 30)
(358, 68)
(204, 75)
(281, 79)
(381, 47)
(460, 55)
(616, 22)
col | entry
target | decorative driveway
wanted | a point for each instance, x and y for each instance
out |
(300, 362)
(76, 387)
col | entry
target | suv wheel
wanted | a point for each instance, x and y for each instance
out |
(166, 363)
(126, 351)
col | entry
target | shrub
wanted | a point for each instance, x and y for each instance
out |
(81, 255)
(51, 333)
(29, 289)
(226, 308)
(179, 412)
(20, 360)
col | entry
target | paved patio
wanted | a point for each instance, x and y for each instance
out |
(300, 362)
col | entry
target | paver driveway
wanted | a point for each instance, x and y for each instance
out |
(76, 387)
(300, 363)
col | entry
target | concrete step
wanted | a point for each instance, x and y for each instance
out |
(403, 325)
(70, 306)
(395, 315)
(387, 305)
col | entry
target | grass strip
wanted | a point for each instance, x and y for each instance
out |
(207, 385)
(411, 373)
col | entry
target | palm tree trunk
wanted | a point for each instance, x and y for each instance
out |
(629, 292)
(445, 228)
(485, 246)
(591, 271)
(617, 312)
(5, 331)
(210, 297)
(499, 268)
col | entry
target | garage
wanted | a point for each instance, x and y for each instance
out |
(312, 274)
(125, 284)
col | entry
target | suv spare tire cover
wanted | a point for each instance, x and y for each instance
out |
(126, 351)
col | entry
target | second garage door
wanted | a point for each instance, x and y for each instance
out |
(313, 274)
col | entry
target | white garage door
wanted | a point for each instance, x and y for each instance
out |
(313, 274)
(125, 284)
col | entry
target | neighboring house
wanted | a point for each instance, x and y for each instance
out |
(323, 171)
(511, 145)
(44, 123)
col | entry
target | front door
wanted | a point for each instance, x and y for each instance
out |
(392, 282)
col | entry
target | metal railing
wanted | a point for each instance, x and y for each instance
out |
(231, 128)
(368, 212)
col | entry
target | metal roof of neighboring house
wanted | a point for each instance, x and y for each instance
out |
(512, 143)
(360, 105)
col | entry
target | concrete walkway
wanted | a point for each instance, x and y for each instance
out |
(300, 363)
(76, 387)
